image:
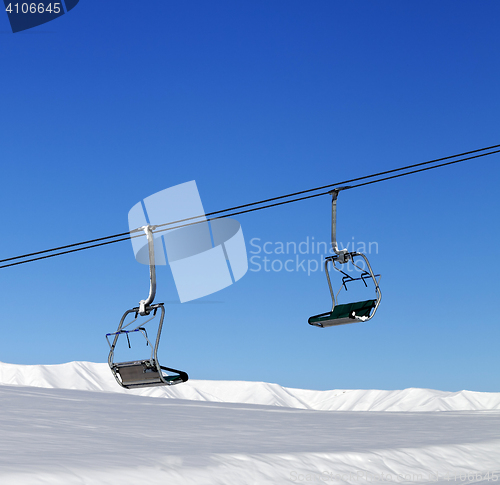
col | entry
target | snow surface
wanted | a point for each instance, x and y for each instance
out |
(60, 431)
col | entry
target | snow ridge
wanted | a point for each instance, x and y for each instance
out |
(97, 377)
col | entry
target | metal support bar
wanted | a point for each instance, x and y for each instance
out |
(343, 254)
(144, 304)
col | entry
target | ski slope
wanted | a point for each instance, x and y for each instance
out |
(71, 424)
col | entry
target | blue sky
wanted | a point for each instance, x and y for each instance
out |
(111, 103)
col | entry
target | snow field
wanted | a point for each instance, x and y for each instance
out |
(72, 424)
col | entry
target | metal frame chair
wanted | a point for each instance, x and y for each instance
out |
(342, 314)
(145, 372)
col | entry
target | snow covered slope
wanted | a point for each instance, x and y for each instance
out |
(72, 424)
(71, 437)
(97, 377)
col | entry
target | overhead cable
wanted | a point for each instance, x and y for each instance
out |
(230, 212)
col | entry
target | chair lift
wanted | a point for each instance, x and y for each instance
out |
(360, 311)
(146, 372)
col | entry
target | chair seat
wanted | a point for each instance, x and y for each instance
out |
(140, 374)
(343, 314)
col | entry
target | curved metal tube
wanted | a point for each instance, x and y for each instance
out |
(330, 283)
(375, 282)
(143, 304)
(113, 345)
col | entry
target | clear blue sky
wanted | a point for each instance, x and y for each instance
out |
(118, 100)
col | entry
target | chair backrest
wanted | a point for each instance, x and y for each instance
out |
(341, 314)
(361, 309)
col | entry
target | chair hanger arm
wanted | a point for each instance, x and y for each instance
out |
(343, 254)
(143, 304)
